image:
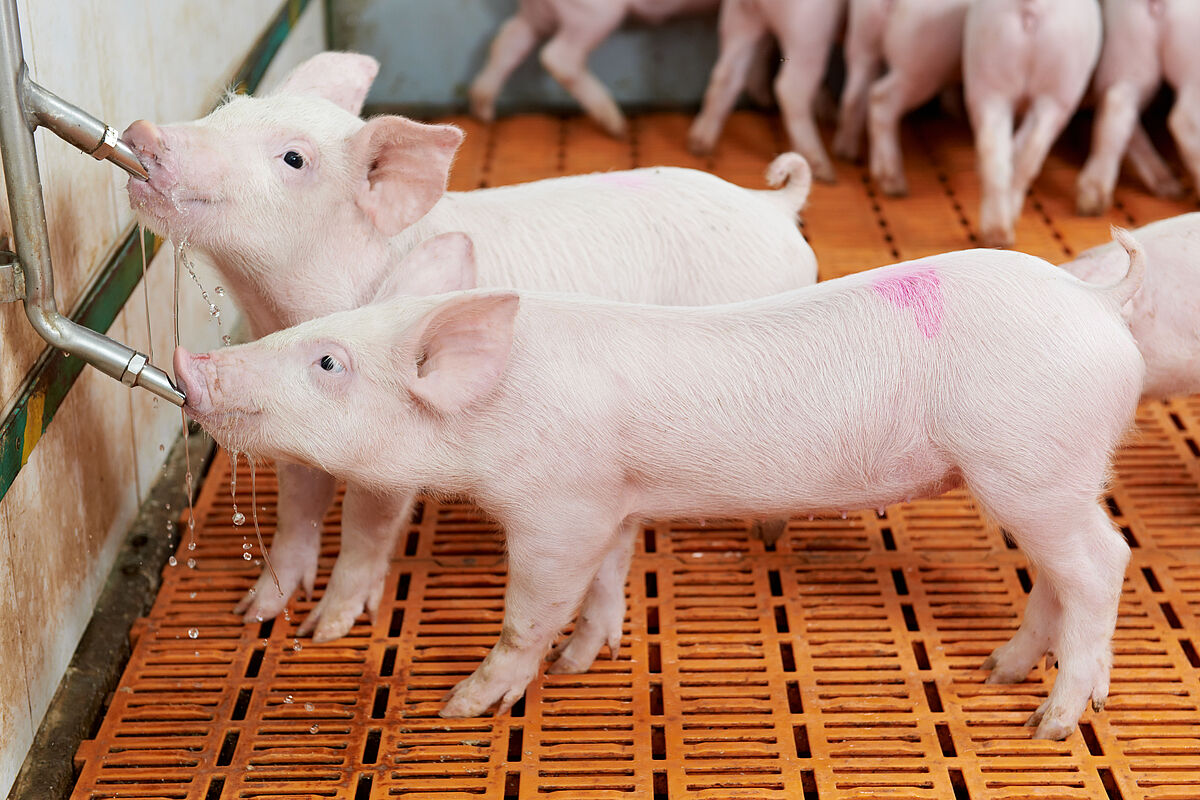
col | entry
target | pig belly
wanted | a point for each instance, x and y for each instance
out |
(786, 485)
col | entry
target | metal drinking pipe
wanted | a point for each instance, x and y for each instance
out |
(28, 212)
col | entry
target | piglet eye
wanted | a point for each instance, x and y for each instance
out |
(331, 364)
(293, 159)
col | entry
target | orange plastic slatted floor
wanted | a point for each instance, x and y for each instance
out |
(844, 663)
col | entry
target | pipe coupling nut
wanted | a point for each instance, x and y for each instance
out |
(107, 144)
(134, 369)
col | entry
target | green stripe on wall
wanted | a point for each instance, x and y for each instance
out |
(55, 372)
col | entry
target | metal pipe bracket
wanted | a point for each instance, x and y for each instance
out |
(12, 278)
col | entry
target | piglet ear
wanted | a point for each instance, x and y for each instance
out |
(404, 166)
(442, 264)
(341, 78)
(462, 349)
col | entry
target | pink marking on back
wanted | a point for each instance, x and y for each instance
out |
(918, 289)
(623, 180)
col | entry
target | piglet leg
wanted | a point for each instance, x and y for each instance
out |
(1184, 122)
(551, 565)
(1150, 167)
(1043, 123)
(993, 121)
(565, 57)
(512, 44)
(602, 617)
(1116, 119)
(796, 90)
(371, 524)
(742, 31)
(304, 494)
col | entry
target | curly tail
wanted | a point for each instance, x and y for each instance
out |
(1127, 288)
(791, 172)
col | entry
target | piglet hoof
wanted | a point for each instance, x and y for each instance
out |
(1168, 187)
(846, 147)
(580, 650)
(769, 530)
(700, 142)
(266, 600)
(1091, 198)
(892, 184)
(475, 695)
(483, 106)
(1052, 722)
(334, 615)
(996, 236)
(822, 170)
(614, 125)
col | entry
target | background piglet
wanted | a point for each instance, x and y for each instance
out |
(1036, 55)
(806, 30)
(922, 46)
(575, 28)
(305, 209)
(570, 420)
(863, 51)
(1165, 314)
(1145, 41)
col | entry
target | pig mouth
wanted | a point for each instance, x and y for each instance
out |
(165, 204)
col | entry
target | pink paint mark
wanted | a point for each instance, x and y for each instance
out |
(918, 289)
(623, 180)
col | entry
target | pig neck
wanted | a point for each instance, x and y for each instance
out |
(335, 274)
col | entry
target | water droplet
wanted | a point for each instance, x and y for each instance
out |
(308, 706)
(191, 545)
(247, 556)
(173, 561)
(220, 290)
(193, 633)
(288, 699)
(843, 515)
(226, 340)
(296, 645)
(192, 596)
(239, 518)
(314, 728)
(252, 591)
(191, 562)
(161, 447)
(167, 506)
(246, 545)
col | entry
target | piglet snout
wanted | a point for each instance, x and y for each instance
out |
(143, 136)
(190, 376)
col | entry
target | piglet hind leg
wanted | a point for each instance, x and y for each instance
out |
(551, 566)
(1184, 122)
(993, 121)
(743, 31)
(370, 526)
(304, 494)
(512, 44)
(1116, 119)
(565, 57)
(1081, 562)
(1039, 130)
(602, 617)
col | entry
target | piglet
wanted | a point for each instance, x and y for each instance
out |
(1032, 54)
(863, 51)
(1145, 42)
(1165, 314)
(922, 46)
(572, 420)
(575, 28)
(305, 209)
(806, 30)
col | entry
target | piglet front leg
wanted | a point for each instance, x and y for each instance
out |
(371, 524)
(601, 619)
(551, 565)
(304, 494)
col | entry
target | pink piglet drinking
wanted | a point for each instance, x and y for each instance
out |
(306, 209)
(570, 420)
